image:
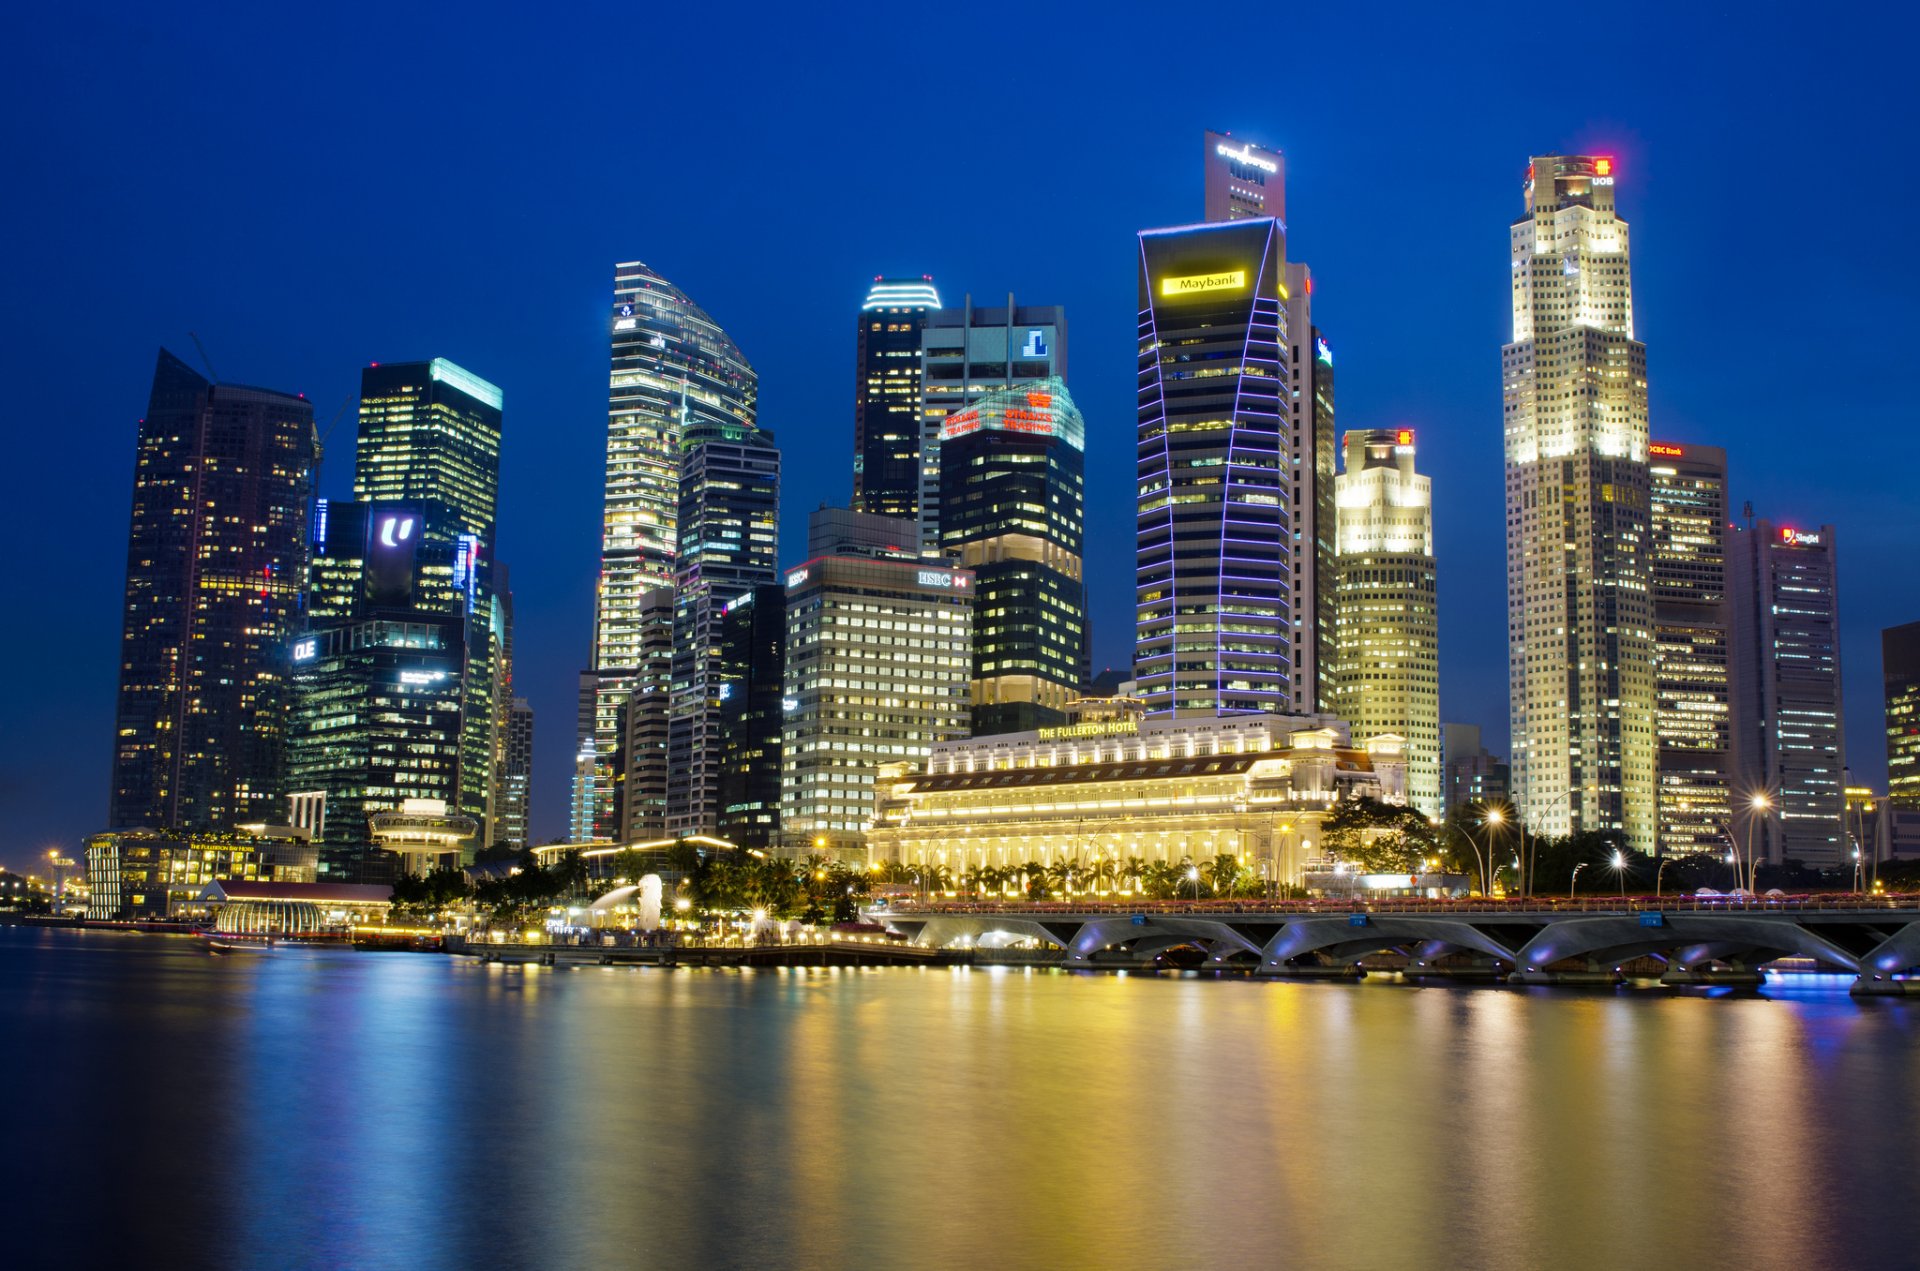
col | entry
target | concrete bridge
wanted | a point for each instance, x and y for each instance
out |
(1697, 941)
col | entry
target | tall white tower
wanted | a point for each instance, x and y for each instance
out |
(1579, 609)
(1388, 627)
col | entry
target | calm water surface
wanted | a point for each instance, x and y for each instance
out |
(165, 1107)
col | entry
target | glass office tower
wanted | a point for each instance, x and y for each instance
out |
(1212, 575)
(886, 396)
(216, 563)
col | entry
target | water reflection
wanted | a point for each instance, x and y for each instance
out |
(333, 1109)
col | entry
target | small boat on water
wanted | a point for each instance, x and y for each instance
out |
(229, 943)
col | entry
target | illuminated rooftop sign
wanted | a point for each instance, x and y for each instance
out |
(1245, 155)
(1039, 407)
(1404, 437)
(1321, 349)
(1794, 538)
(1666, 451)
(1195, 284)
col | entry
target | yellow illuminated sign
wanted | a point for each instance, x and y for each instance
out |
(1193, 284)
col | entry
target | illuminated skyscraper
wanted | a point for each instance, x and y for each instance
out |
(430, 434)
(753, 651)
(216, 563)
(966, 352)
(513, 805)
(1579, 613)
(1011, 510)
(1690, 618)
(1900, 670)
(1789, 742)
(1388, 677)
(1243, 181)
(672, 366)
(1213, 556)
(729, 543)
(886, 396)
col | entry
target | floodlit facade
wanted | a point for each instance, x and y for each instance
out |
(1387, 604)
(1012, 509)
(1691, 645)
(424, 835)
(150, 875)
(886, 396)
(729, 543)
(1579, 609)
(1123, 787)
(672, 366)
(1789, 741)
(878, 660)
(216, 562)
(1213, 558)
(966, 352)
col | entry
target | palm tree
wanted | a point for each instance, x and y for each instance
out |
(1133, 873)
(1103, 871)
(1034, 875)
(1222, 875)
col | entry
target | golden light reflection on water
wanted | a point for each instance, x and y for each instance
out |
(418, 1111)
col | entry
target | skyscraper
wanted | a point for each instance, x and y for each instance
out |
(1388, 679)
(877, 665)
(1688, 523)
(966, 352)
(1900, 671)
(1789, 748)
(1579, 617)
(729, 530)
(1243, 181)
(216, 558)
(513, 806)
(672, 366)
(886, 396)
(429, 441)
(636, 807)
(1213, 557)
(1012, 508)
(753, 650)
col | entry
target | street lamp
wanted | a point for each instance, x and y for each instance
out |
(1572, 882)
(1620, 868)
(1193, 876)
(1664, 862)
(1760, 804)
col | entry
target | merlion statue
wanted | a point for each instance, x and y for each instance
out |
(650, 903)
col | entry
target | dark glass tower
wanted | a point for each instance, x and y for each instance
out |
(753, 651)
(1212, 572)
(1012, 506)
(886, 396)
(1900, 672)
(728, 533)
(216, 558)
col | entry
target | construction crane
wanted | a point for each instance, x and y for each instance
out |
(204, 359)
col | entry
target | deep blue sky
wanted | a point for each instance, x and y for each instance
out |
(312, 188)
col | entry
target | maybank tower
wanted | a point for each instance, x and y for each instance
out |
(1213, 564)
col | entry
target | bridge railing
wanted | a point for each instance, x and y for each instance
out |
(1385, 905)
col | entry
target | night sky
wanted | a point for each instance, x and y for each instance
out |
(312, 188)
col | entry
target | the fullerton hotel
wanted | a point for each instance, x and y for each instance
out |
(1114, 785)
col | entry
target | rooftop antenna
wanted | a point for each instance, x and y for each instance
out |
(1746, 510)
(204, 359)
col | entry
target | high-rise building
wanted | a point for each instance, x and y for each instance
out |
(729, 529)
(1312, 462)
(878, 661)
(886, 396)
(1900, 672)
(1692, 717)
(966, 352)
(636, 810)
(429, 441)
(672, 366)
(1243, 181)
(512, 812)
(753, 651)
(1012, 509)
(1388, 607)
(1788, 752)
(430, 435)
(1471, 772)
(1213, 556)
(216, 563)
(1579, 614)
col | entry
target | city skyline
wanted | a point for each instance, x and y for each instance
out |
(548, 503)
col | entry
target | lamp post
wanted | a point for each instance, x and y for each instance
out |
(1574, 881)
(1193, 876)
(1760, 803)
(1620, 868)
(1664, 862)
(1494, 818)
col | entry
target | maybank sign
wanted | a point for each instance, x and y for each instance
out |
(1194, 284)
